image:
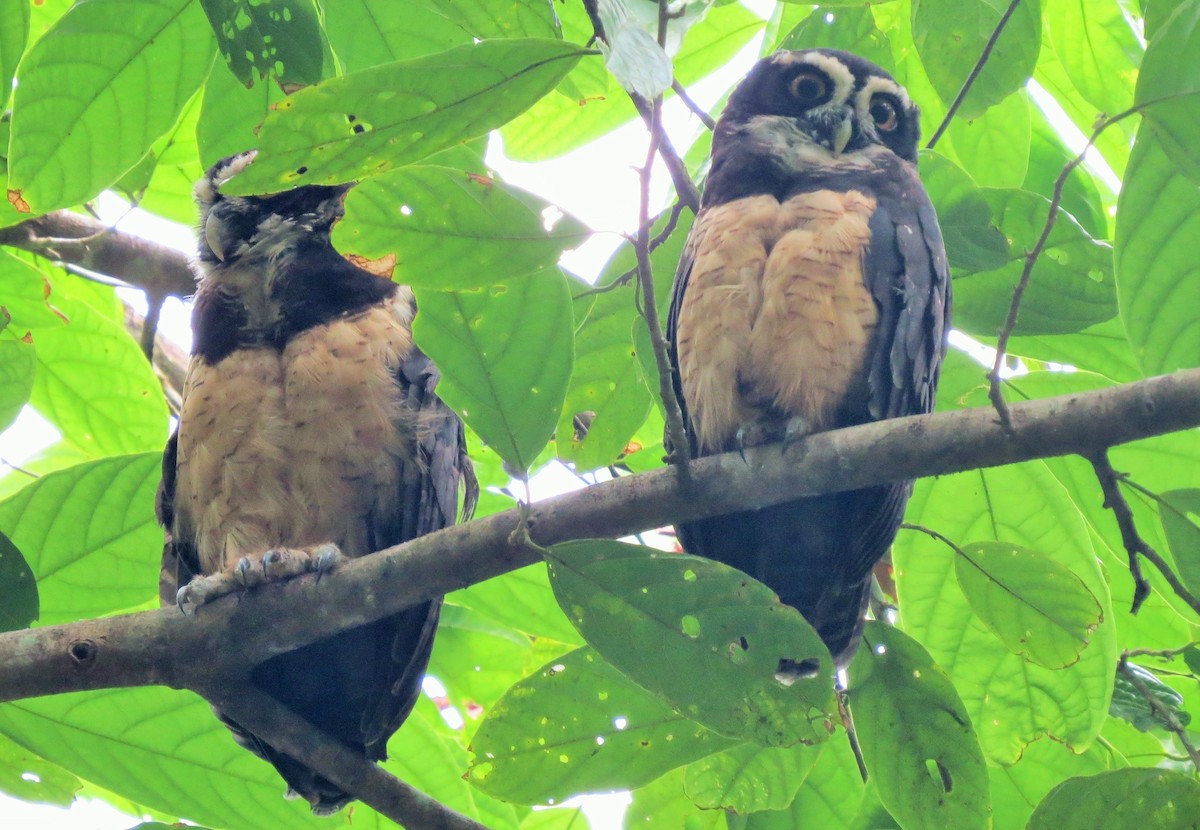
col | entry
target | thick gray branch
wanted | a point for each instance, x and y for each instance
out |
(164, 647)
(80, 240)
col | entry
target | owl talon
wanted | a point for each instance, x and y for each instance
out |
(796, 429)
(275, 565)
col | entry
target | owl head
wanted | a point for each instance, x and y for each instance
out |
(833, 102)
(234, 227)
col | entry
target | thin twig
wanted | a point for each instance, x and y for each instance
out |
(1135, 545)
(15, 468)
(1165, 653)
(1162, 710)
(289, 733)
(975, 72)
(995, 393)
(851, 735)
(928, 531)
(625, 277)
(706, 119)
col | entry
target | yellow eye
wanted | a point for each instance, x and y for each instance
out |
(809, 88)
(885, 113)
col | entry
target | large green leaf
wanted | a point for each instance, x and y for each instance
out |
(476, 660)
(748, 778)
(1020, 504)
(1098, 49)
(231, 114)
(1169, 87)
(1180, 515)
(829, 797)
(851, 29)
(951, 35)
(579, 725)
(662, 803)
(162, 748)
(1017, 789)
(89, 535)
(973, 243)
(1158, 215)
(1035, 605)
(916, 736)
(18, 365)
(522, 600)
(716, 644)
(97, 90)
(18, 588)
(14, 31)
(387, 116)
(993, 147)
(1071, 286)
(92, 381)
(449, 228)
(25, 776)
(1080, 196)
(280, 39)
(366, 33)
(1125, 799)
(505, 353)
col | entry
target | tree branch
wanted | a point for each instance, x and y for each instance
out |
(289, 733)
(1164, 712)
(85, 242)
(232, 633)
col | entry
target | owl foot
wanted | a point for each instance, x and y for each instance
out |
(251, 571)
(757, 433)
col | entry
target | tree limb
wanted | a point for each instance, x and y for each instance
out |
(79, 240)
(289, 733)
(167, 648)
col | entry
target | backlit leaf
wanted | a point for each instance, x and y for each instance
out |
(1124, 799)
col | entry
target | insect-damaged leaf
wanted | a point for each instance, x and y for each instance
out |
(916, 736)
(1036, 606)
(577, 725)
(712, 641)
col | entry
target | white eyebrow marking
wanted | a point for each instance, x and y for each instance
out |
(876, 84)
(839, 73)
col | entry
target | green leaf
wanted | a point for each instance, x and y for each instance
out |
(716, 644)
(25, 776)
(1179, 513)
(1102, 348)
(1036, 606)
(1021, 504)
(829, 797)
(578, 725)
(916, 735)
(1071, 286)
(231, 114)
(143, 742)
(14, 32)
(972, 242)
(1128, 702)
(852, 29)
(475, 660)
(1080, 197)
(662, 803)
(505, 353)
(559, 123)
(1124, 799)
(169, 192)
(1158, 214)
(748, 778)
(522, 600)
(1018, 788)
(993, 147)
(93, 94)
(18, 588)
(366, 33)
(18, 366)
(951, 35)
(92, 380)
(1168, 85)
(384, 117)
(89, 536)
(1098, 49)
(279, 39)
(452, 229)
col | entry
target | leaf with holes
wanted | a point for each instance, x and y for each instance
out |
(916, 736)
(717, 645)
(749, 778)
(579, 725)
(1179, 512)
(1168, 85)
(1158, 214)
(97, 90)
(1036, 606)
(449, 228)
(1123, 799)
(505, 353)
(280, 39)
(18, 588)
(372, 121)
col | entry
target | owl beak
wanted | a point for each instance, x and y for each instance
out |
(842, 136)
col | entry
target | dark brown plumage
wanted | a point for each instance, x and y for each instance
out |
(309, 430)
(813, 294)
